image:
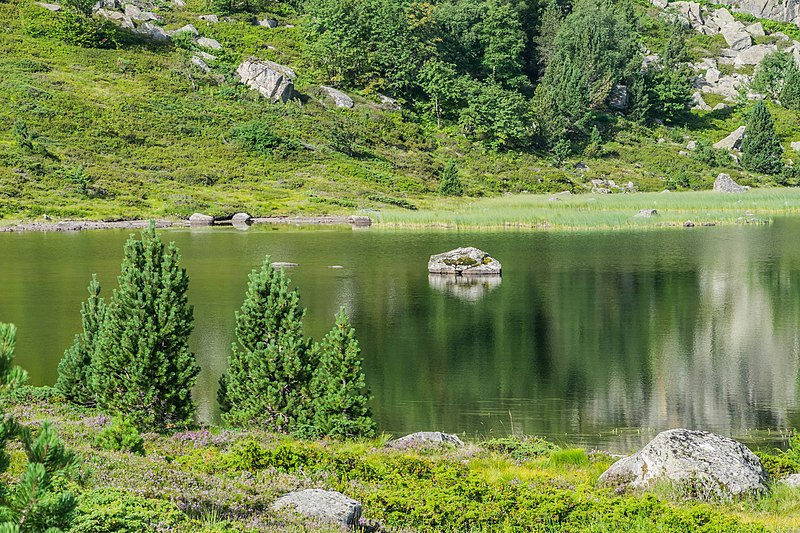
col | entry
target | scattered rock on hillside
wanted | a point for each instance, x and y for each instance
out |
(733, 141)
(268, 23)
(339, 98)
(756, 30)
(754, 55)
(724, 183)
(136, 14)
(207, 42)
(425, 439)
(698, 103)
(464, 262)
(49, 7)
(327, 505)
(389, 103)
(795, 146)
(780, 10)
(708, 466)
(272, 80)
(153, 31)
(199, 219)
(189, 28)
(199, 63)
(212, 19)
(792, 481)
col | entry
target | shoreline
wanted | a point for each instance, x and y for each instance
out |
(84, 225)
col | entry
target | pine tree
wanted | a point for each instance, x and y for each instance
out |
(790, 94)
(450, 184)
(74, 369)
(142, 367)
(337, 386)
(761, 149)
(269, 368)
(10, 375)
(37, 502)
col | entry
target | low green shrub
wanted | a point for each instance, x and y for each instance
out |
(109, 510)
(527, 447)
(121, 435)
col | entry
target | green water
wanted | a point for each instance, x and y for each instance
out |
(599, 339)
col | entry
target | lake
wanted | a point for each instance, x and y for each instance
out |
(596, 339)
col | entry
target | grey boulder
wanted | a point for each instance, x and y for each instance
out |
(425, 439)
(724, 183)
(199, 219)
(49, 7)
(468, 261)
(708, 466)
(153, 31)
(733, 141)
(339, 98)
(207, 42)
(327, 505)
(270, 79)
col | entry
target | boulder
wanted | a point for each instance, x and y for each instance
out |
(618, 99)
(724, 183)
(138, 15)
(691, 145)
(464, 261)
(720, 106)
(199, 219)
(241, 218)
(268, 23)
(733, 141)
(723, 17)
(754, 55)
(425, 439)
(199, 63)
(212, 19)
(49, 7)
(272, 80)
(792, 481)
(698, 103)
(795, 146)
(389, 103)
(189, 28)
(736, 37)
(661, 4)
(708, 466)
(207, 42)
(756, 30)
(339, 98)
(327, 505)
(153, 31)
(780, 10)
(713, 75)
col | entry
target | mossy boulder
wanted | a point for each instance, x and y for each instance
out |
(464, 261)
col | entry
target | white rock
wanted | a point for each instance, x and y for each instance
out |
(270, 79)
(724, 183)
(199, 63)
(698, 103)
(756, 30)
(339, 98)
(736, 38)
(207, 42)
(720, 106)
(213, 19)
(795, 146)
(190, 29)
(425, 439)
(467, 261)
(268, 23)
(754, 55)
(723, 17)
(732, 141)
(328, 505)
(153, 31)
(199, 219)
(49, 7)
(712, 75)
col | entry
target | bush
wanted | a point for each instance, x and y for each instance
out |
(11, 376)
(110, 510)
(121, 436)
(450, 184)
(520, 449)
(257, 137)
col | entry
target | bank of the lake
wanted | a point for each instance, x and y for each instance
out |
(583, 212)
(213, 479)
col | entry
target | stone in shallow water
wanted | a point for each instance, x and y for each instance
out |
(708, 466)
(464, 261)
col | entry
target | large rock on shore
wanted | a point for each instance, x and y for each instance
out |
(425, 439)
(327, 505)
(464, 261)
(724, 183)
(705, 465)
(272, 80)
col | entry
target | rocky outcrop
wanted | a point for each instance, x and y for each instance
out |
(705, 465)
(328, 505)
(152, 31)
(618, 99)
(733, 141)
(425, 439)
(339, 98)
(780, 10)
(724, 183)
(270, 79)
(464, 262)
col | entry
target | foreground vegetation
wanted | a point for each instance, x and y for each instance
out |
(214, 479)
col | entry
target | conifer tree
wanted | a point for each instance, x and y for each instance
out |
(73, 371)
(10, 375)
(269, 368)
(761, 149)
(337, 386)
(450, 184)
(142, 367)
(37, 502)
(790, 94)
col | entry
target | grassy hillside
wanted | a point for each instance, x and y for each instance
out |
(138, 131)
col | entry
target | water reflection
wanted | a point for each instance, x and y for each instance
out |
(467, 288)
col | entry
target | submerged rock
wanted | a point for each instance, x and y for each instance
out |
(464, 261)
(425, 439)
(328, 505)
(707, 466)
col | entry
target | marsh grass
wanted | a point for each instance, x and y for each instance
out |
(598, 211)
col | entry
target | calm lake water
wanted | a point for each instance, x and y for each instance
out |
(597, 339)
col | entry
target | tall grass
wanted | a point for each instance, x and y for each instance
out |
(613, 211)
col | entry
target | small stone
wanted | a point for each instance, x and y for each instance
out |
(688, 224)
(646, 213)
(691, 145)
(335, 266)
(268, 23)
(581, 166)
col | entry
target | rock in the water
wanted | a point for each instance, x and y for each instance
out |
(283, 264)
(469, 289)
(724, 183)
(272, 80)
(339, 98)
(464, 261)
(199, 219)
(733, 141)
(425, 439)
(708, 466)
(241, 218)
(207, 42)
(327, 505)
